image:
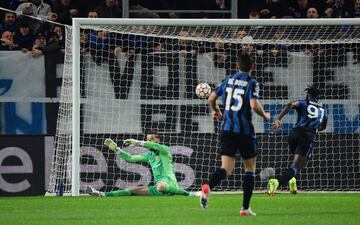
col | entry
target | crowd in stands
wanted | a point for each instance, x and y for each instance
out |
(21, 32)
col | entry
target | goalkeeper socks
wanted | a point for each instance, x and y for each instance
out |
(248, 187)
(218, 175)
(125, 192)
(172, 189)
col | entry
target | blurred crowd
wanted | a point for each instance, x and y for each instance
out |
(21, 32)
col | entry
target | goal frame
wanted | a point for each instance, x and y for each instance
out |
(78, 22)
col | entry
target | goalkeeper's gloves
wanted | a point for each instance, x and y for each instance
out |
(133, 142)
(110, 144)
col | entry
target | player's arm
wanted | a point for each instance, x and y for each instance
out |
(288, 107)
(258, 109)
(148, 144)
(216, 112)
(123, 154)
(323, 124)
(255, 104)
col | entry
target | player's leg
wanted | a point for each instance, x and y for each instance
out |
(286, 175)
(227, 166)
(93, 192)
(124, 192)
(226, 169)
(137, 191)
(273, 183)
(228, 143)
(140, 191)
(248, 186)
(248, 153)
(300, 144)
(170, 188)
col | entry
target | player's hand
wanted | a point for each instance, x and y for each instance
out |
(110, 144)
(132, 142)
(276, 124)
(216, 115)
(267, 116)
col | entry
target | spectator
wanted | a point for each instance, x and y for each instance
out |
(7, 42)
(356, 9)
(216, 5)
(8, 22)
(40, 41)
(254, 14)
(243, 12)
(66, 10)
(247, 46)
(61, 36)
(86, 6)
(24, 37)
(300, 9)
(274, 9)
(103, 51)
(341, 9)
(13, 4)
(328, 12)
(52, 46)
(110, 9)
(36, 8)
(312, 13)
(92, 14)
(147, 13)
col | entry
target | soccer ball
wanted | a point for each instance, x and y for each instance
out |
(203, 90)
(267, 173)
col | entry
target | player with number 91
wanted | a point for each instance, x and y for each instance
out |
(312, 118)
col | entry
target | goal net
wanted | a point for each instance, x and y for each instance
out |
(142, 76)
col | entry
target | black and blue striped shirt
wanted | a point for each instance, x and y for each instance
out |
(311, 114)
(236, 92)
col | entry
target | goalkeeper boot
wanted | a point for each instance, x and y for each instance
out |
(110, 144)
(246, 212)
(293, 186)
(273, 184)
(93, 192)
(204, 196)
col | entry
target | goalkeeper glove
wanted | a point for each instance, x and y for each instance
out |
(132, 142)
(110, 144)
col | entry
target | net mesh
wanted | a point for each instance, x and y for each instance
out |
(140, 78)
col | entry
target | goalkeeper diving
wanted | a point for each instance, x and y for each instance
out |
(161, 162)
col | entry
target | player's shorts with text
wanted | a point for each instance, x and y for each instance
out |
(231, 143)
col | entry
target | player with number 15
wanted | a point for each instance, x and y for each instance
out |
(240, 94)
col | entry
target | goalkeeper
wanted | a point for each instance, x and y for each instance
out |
(161, 161)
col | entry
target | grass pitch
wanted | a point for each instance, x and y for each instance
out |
(314, 209)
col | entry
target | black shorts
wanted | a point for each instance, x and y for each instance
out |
(301, 141)
(231, 143)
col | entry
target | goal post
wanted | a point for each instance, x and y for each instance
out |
(132, 75)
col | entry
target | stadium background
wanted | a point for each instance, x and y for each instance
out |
(27, 126)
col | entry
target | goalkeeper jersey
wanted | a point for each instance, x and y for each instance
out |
(160, 160)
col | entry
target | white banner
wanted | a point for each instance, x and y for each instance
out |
(22, 80)
(21, 75)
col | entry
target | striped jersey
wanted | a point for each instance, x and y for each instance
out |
(310, 114)
(236, 92)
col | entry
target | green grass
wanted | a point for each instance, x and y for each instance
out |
(314, 209)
